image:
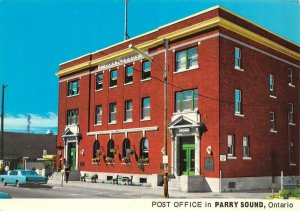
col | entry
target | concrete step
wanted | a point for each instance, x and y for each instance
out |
(174, 184)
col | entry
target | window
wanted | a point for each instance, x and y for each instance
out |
(237, 58)
(186, 100)
(96, 149)
(238, 101)
(98, 115)
(272, 90)
(128, 110)
(126, 148)
(73, 87)
(272, 121)
(129, 74)
(146, 108)
(186, 59)
(146, 70)
(290, 76)
(113, 78)
(112, 112)
(230, 144)
(144, 148)
(72, 117)
(99, 81)
(111, 148)
(246, 147)
(291, 113)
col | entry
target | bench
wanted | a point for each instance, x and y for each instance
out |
(92, 177)
(120, 179)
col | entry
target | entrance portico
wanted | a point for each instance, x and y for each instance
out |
(186, 130)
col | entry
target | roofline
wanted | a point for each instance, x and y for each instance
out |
(181, 33)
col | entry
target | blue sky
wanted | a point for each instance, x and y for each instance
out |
(37, 35)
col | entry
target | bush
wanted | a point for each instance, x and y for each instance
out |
(290, 193)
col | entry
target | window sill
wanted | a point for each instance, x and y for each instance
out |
(112, 87)
(73, 95)
(238, 68)
(247, 158)
(272, 96)
(231, 157)
(185, 70)
(293, 164)
(96, 163)
(112, 123)
(98, 90)
(128, 121)
(273, 131)
(98, 124)
(239, 115)
(146, 79)
(292, 124)
(126, 163)
(128, 83)
(146, 119)
(292, 85)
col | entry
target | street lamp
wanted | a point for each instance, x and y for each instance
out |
(165, 149)
(2, 124)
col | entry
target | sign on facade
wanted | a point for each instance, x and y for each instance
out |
(222, 158)
(209, 164)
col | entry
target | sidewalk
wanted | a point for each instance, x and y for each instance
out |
(148, 192)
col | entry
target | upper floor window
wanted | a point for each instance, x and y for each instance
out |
(98, 114)
(246, 146)
(238, 101)
(186, 59)
(144, 148)
(99, 81)
(272, 85)
(146, 108)
(129, 74)
(291, 113)
(73, 88)
(290, 77)
(128, 110)
(72, 117)
(112, 112)
(272, 121)
(146, 70)
(237, 58)
(230, 145)
(186, 100)
(113, 78)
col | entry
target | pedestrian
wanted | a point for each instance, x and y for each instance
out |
(6, 169)
(67, 173)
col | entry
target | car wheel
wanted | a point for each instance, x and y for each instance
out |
(18, 184)
(3, 182)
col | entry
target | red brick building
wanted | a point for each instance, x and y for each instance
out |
(233, 106)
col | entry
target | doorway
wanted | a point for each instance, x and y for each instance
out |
(72, 156)
(187, 155)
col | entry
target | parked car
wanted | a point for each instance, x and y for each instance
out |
(4, 196)
(22, 177)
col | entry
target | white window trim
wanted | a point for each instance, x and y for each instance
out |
(128, 121)
(231, 157)
(185, 70)
(112, 87)
(147, 79)
(98, 124)
(273, 131)
(293, 164)
(238, 68)
(292, 123)
(273, 96)
(239, 115)
(112, 123)
(247, 158)
(98, 90)
(292, 85)
(73, 95)
(128, 83)
(146, 119)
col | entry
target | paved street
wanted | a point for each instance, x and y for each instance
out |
(76, 189)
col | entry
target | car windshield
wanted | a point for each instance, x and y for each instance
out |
(28, 173)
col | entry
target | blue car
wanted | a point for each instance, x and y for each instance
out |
(21, 177)
(4, 196)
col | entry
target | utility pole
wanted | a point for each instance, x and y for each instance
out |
(166, 179)
(125, 26)
(2, 123)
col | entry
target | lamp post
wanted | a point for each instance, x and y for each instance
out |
(165, 148)
(2, 123)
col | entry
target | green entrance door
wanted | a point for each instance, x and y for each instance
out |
(187, 158)
(72, 157)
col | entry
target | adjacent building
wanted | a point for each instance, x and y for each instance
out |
(233, 106)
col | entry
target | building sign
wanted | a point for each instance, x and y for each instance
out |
(223, 158)
(165, 159)
(184, 130)
(118, 62)
(209, 164)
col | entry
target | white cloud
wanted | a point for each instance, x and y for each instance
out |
(39, 123)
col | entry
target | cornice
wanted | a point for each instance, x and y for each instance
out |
(214, 22)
